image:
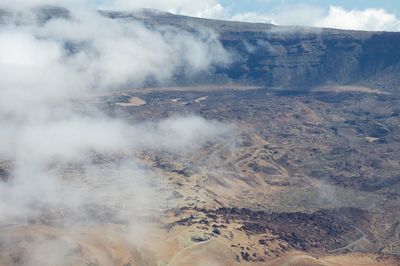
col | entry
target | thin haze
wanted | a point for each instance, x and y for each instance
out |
(45, 66)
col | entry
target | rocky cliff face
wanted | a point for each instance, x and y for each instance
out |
(308, 58)
(290, 57)
(272, 56)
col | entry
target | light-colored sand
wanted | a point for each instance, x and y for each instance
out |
(134, 101)
(120, 245)
(353, 259)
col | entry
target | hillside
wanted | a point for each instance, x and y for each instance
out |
(124, 143)
(293, 57)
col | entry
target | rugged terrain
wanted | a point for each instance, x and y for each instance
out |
(269, 55)
(317, 169)
(306, 178)
(307, 175)
(291, 57)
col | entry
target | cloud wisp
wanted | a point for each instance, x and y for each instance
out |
(51, 56)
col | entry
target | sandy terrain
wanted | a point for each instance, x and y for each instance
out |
(133, 101)
(113, 245)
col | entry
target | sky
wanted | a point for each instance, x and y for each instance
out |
(379, 15)
(240, 6)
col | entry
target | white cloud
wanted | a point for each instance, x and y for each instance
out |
(253, 17)
(204, 8)
(368, 19)
(45, 70)
(336, 17)
(70, 163)
(33, 3)
(119, 54)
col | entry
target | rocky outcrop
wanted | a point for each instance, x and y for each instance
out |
(272, 56)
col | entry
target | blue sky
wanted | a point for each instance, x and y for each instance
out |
(240, 6)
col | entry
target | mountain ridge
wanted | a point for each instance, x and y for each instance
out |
(294, 56)
(267, 55)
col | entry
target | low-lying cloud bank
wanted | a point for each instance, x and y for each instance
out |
(55, 164)
(49, 57)
(88, 52)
